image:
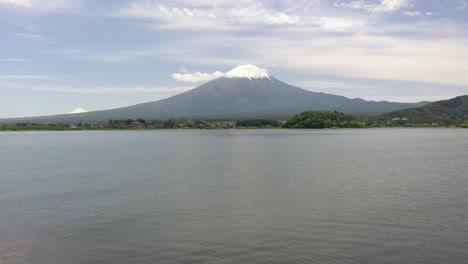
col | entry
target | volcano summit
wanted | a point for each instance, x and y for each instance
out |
(248, 71)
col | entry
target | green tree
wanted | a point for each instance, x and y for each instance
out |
(321, 119)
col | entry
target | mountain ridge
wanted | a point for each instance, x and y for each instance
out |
(444, 112)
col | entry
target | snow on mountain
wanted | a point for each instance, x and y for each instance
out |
(78, 110)
(247, 71)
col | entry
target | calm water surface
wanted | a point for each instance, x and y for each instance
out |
(252, 196)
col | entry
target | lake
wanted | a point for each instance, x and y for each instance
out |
(234, 196)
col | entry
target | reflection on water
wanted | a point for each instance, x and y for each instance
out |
(268, 196)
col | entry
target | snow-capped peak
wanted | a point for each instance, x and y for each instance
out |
(247, 71)
(78, 111)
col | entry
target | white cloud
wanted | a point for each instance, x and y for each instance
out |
(390, 6)
(442, 62)
(360, 4)
(31, 36)
(13, 59)
(417, 13)
(438, 60)
(384, 6)
(413, 13)
(186, 76)
(461, 5)
(337, 24)
(237, 15)
(246, 15)
(40, 7)
(36, 77)
(219, 15)
(17, 3)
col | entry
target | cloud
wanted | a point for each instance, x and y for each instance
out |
(337, 24)
(30, 36)
(384, 6)
(13, 59)
(390, 6)
(40, 7)
(413, 13)
(207, 14)
(439, 60)
(295, 36)
(360, 4)
(187, 76)
(17, 3)
(36, 77)
(244, 15)
(461, 5)
(256, 16)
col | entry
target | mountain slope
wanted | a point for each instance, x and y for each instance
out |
(243, 93)
(444, 112)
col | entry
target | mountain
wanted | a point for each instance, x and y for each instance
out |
(445, 112)
(243, 93)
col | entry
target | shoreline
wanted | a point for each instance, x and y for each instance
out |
(222, 129)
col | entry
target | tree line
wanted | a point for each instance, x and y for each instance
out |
(304, 120)
(143, 124)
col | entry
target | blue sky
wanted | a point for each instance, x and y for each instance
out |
(58, 55)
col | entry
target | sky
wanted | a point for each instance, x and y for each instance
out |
(59, 55)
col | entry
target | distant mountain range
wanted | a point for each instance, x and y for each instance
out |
(444, 112)
(245, 92)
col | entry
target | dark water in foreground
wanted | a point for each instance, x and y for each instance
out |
(332, 196)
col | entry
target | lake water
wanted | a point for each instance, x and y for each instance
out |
(234, 196)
